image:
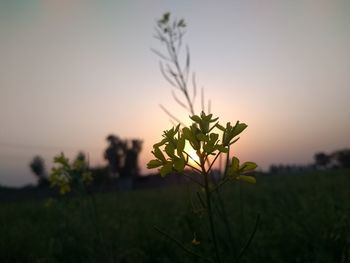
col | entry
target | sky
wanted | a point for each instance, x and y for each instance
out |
(72, 72)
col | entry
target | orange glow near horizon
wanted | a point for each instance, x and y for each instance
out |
(193, 159)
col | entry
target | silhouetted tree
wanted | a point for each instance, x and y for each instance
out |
(322, 159)
(114, 154)
(131, 159)
(343, 158)
(81, 157)
(37, 165)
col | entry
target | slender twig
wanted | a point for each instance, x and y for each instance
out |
(178, 100)
(179, 244)
(201, 200)
(97, 225)
(171, 36)
(212, 163)
(194, 85)
(224, 217)
(242, 251)
(194, 168)
(193, 159)
(160, 54)
(241, 210)
(192, 179)
(202, 99)
(221, 183)
(170, 115)
(165, 75)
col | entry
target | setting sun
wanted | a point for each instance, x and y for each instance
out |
(193, 159)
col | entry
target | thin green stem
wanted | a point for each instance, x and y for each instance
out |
(241, 210)
(225, 217)
(193, 180)
(201, 200)
(194, 168)
(221, 183)
(212, 163)
(97, 226)
(210, 213)
(249, 241)
(188, 155)
(177, 242)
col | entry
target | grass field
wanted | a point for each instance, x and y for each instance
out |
(303, 218)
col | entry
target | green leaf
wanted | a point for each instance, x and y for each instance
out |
(247, 178)
(170, 150)
(162, 142)
(202, 137)
(214, 137)
(234, 167)
(154, 164)
(214, 120)
(166, 169)
(204, 126)
(222, 148)
(158, 154)
(177, 128)
(206, 117)
(248, 166)
(195, 145)
(179, 164)
(187, 134)
(239, 128)
(235, 164)
(234, 141)
(208, 148)
(220, 127)
(180, 145)
(196, 118)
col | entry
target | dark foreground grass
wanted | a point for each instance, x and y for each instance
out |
(303, 218)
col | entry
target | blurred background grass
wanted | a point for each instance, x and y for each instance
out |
(305, 217)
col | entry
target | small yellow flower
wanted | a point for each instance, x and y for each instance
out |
(194, 241)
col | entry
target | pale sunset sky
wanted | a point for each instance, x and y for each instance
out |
(72, 72)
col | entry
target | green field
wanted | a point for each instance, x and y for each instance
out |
(303, 218)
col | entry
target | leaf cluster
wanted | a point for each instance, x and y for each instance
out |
(208, 138)
(65, 174)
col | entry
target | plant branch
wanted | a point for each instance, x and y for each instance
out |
(210, 213)
(192, 179)
(212, 163)
(179, 244)
(249, 240)
(170, 115)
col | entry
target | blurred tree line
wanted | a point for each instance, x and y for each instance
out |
(335, 160)
(122, 163)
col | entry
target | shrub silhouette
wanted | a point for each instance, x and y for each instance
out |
(322, 159)
(37, 166)
(114, 154)
(122, 158)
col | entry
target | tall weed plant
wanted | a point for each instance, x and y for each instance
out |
(192, 151)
